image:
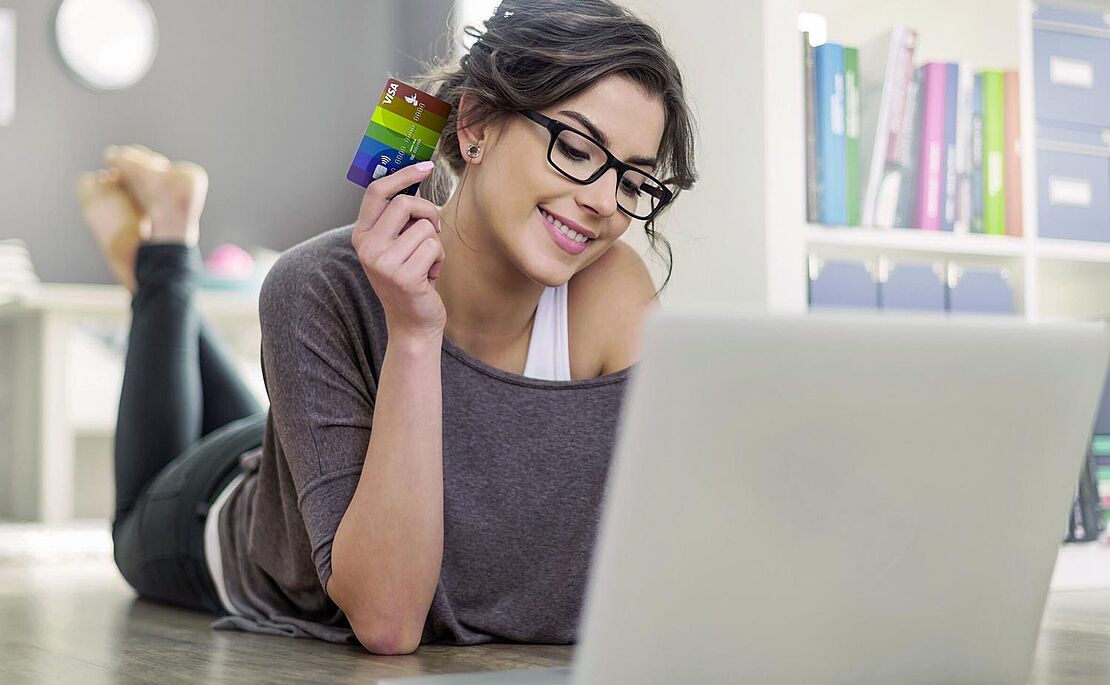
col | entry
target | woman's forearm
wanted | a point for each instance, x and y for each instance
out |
(388, 548)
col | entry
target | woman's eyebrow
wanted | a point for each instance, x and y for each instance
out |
(602, 138)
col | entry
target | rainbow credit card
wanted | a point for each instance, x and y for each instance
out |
(403, 130)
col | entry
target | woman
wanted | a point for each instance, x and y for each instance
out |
(432, 463)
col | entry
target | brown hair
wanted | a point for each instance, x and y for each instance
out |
(537, 53)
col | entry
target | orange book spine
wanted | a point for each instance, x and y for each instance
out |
(1011, 89)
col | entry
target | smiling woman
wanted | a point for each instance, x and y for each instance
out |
(557, 55)
(432, 464)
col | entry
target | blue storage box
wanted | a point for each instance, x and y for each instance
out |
(836, 284)
(1073, 183)
(912, 286)
(980, 290)
(1071, 66)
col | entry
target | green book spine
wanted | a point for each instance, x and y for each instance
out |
(994, 153)
(851, 133)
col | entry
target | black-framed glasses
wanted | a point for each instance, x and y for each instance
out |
(584, 160)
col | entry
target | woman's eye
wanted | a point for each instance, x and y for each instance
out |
(572, 152)
(630, 188)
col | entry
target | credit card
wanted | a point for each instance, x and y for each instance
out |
(404, 129)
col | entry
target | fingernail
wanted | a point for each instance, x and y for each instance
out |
(424, 166)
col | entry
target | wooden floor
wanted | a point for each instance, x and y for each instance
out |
(80, 624)
(76, 621)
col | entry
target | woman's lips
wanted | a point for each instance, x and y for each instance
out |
(562, 240)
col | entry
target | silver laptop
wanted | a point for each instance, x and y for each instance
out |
(833, 498)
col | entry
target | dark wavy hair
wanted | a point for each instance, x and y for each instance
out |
(536, 53)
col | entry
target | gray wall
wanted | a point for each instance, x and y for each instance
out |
(270, 96)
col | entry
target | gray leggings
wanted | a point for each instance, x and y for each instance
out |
(185, 416)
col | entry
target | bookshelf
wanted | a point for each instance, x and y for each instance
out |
(740, 237)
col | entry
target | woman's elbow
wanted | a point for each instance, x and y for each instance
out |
(387, 639)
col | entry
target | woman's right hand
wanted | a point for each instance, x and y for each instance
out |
(396, 239)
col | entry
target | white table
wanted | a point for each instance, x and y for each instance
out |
(61, 368)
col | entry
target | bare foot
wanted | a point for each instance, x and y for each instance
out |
(172, 193)
(116, 222)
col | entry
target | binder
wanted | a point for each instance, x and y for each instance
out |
(994, 153)
(976, 213)
(948, 176)
(1012, 155)
(1102, 419)
(886, 72)
(812, 196)
(830, 133)
(910, 148)
(851, 135)
(964, 111)
(930, 181)
(1085, 521)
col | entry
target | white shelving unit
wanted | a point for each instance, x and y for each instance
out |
(740, 237)
(61, 368)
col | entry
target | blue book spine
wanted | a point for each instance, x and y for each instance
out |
(951, 101)
(977, 156)
(829, 63)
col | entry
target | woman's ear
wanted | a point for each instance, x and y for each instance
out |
(470, 133)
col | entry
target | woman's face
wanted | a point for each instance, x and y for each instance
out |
(516, 180)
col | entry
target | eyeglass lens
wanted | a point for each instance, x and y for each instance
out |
(579, 158)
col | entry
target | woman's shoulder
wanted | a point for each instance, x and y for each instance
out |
(323, 271)
(319, 255)
(327, 257)
(608, 301)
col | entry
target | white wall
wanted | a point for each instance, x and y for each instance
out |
(725, 252)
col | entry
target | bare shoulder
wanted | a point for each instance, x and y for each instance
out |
(607, 303)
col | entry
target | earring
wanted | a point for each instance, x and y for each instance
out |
(473, 151)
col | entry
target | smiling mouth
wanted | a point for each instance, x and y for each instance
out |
(565, 230)
(561, 239)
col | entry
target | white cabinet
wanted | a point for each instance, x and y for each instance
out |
(61, 367)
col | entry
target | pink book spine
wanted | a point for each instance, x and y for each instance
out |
(931, 160)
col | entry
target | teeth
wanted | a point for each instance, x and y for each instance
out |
(573, 235)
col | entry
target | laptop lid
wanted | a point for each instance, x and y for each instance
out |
(837, 498)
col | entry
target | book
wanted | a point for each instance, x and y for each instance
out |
(851, 135)
(948, 176)
(976, 213)
(829, 63)
(886, 71)
(930, 180)
(811, 131)
(964, 107)
(994, 147)
(909, 147)
(1012, 153)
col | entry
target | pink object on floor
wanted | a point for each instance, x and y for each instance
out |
(230, 261)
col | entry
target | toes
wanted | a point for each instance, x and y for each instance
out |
(86, 185)
(135, 170)
(193, 170)
(155, 158)
(147, 157)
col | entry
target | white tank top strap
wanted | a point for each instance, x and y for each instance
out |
(549, 347)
